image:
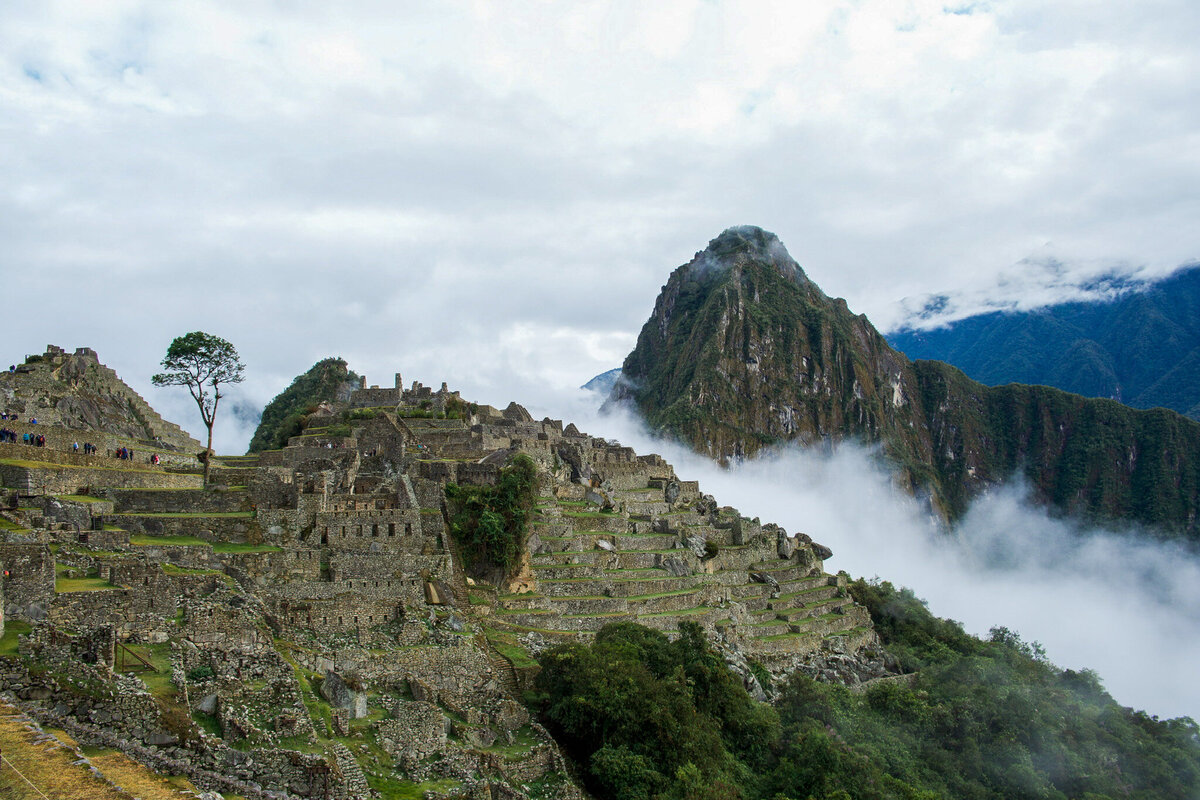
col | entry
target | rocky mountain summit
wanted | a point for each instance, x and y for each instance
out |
(742, 351)
(309, 626)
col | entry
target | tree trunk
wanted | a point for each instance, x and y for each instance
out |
(208, 456)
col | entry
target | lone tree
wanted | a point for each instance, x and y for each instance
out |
(201, 362)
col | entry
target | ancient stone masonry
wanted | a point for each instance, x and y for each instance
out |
(304, 627)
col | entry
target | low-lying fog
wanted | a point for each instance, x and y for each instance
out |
(1124, 606)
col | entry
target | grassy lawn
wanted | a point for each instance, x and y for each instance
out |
(506, 645)
(91, 583)
(245, 547)
(8, 525)
(159, 681)
(81, 498)
(20, 462)
(8, 642)
(144, 540)
(48, 771)
(147, 540)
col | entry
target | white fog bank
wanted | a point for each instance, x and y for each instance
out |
(1123, 605)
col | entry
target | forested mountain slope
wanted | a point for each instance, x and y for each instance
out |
(1142, 348)
(743, 351)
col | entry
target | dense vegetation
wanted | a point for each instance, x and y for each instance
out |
(490, 522)
(1142, 348)
(1097, 458)
(651, 719)
(329, 380)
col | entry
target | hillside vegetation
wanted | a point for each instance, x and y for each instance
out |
(328, 381)
(652, 719)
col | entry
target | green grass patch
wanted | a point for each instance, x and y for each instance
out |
(157, 681)
(8, 642)
(686, 612)
(20, 462)
(89, 583)
(146, 540)
(245, 547)
(506, 645)
(81, 498)
(9, 525)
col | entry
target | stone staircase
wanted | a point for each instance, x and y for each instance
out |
(350, 783)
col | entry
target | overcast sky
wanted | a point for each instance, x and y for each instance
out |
(492, 194)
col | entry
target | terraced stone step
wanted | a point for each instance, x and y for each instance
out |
(561, 572)
(782, 570)
(595, 521)
(615, 587)
(517, 602)
(789, 588)
(642, 604)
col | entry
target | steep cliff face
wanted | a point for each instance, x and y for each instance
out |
(1093, 457)
(743, 351)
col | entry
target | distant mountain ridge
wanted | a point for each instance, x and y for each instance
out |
(744, 352)
(1141, 348)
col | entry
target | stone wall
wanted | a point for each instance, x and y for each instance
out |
(63, 479)
(192, 501)
(28, 580)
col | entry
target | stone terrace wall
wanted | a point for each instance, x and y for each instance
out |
(192, 501)
(30, 579)
(59, 440)
(52, 479)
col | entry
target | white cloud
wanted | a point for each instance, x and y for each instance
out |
(389, 182)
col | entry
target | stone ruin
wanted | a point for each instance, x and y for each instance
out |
(306, 628)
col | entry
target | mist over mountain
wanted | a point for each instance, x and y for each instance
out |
(743, 353)
(1140, 346)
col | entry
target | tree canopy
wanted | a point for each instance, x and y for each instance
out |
(202, 362)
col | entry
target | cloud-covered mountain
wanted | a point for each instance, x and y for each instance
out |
(1140, 347)
(743, 352)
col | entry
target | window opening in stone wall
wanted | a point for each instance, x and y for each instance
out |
(391, 529)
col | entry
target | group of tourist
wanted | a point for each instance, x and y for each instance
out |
(16, 417)
(34, 439)
(89, 449)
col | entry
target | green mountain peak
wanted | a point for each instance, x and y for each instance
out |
(744, 352)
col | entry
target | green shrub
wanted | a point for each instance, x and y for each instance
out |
(489, 522)
(197, 674)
